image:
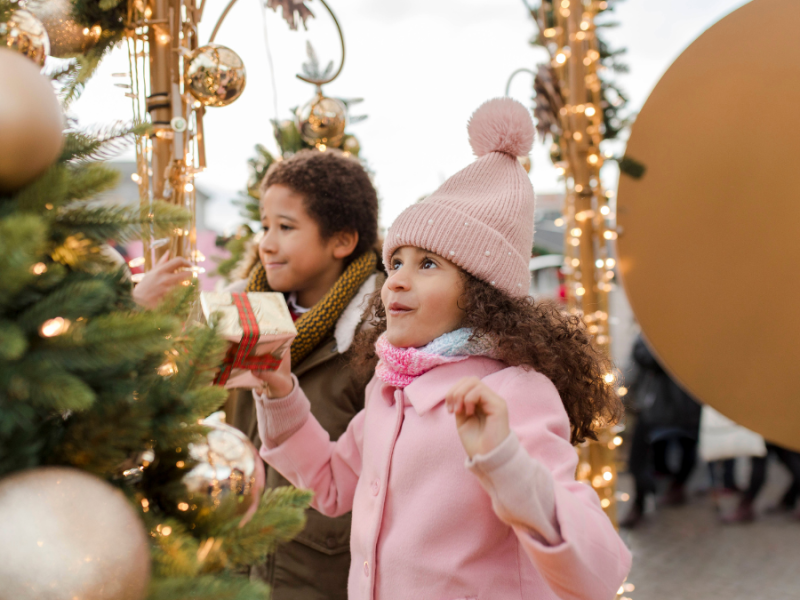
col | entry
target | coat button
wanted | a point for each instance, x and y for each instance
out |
(366, 569)
(376, 487)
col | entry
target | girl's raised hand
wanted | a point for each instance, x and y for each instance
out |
(481, 415)
(278, 383)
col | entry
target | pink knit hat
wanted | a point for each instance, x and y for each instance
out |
(481, 219)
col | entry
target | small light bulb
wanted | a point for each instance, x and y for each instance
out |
(86, 31)
(617, 440)
(575, 241)
(608, 378)
(577, 136)
(578, 188)
(576, 231)
(189, 187)
(610, 262)
(558, 222)
(580, 291)
(135, 177)
(136, 262)
(585, 25)
(610, 235)
(576, 262)
(561, 58)
(549, 32)
(54, 327)
(599, 263)
(622, 391)
(590, 111)
(39, 268)
(605, 502)
(322, 147)
(605, 210)
(593, 159)
(183, 506)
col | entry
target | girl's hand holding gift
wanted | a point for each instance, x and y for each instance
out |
(481, 415)
(278, 383)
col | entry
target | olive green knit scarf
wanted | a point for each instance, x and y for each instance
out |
(314, 325)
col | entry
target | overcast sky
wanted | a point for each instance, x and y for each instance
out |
(422, 67)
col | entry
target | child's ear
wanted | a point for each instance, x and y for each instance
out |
(344, 243)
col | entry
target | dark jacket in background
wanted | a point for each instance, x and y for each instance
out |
(663, 406)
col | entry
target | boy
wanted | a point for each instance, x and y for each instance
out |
(319, 212)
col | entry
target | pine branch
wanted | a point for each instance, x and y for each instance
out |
(207, 587)
(13, 342)
(109, 340)
(103, 144)
(101, 222)
(47, 192)
(280, 517)
(90, 180)
(47, 386)
(22, 243)
(79, 298)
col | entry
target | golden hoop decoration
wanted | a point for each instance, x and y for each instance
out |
(709, 248)
(317, 82)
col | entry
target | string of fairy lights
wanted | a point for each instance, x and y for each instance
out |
(574, 107)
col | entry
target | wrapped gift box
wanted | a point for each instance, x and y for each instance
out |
(259, 327)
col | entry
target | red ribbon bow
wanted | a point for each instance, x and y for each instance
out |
(241, 356)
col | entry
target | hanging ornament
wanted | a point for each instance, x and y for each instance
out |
(215, 75)
(525, 161)
(31, 122)
(322, 121)
(67, 534)
(351, 145)
(228, 466)
(67, 37)
(24, 33)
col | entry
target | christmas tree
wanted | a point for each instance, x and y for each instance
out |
(98, 394)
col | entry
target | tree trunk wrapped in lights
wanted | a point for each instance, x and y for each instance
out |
(579, 110)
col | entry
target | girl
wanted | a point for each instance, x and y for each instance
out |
(468, 364)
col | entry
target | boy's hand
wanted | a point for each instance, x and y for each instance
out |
(481, 415)
(161, 280)
(278, 384)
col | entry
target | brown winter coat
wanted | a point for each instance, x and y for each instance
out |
(315, 565)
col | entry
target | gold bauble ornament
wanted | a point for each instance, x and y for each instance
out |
(215, 75)
(228, 466)
(322, 121)
(525, 161)
(66, 534)
(67, 38)
(351, 145)
(708, 248)
(31, 122)
(24, 33)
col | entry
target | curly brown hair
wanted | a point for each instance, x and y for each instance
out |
(338, 193)
(532, 334)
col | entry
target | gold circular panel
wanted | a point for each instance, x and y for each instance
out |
(709, 247)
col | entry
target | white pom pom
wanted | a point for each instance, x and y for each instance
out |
(501, 125)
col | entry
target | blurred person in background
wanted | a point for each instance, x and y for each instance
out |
(667, 416)
(745, 512)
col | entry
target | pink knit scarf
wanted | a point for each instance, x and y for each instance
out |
(400, 366)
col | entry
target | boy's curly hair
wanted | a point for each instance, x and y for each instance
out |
(533, 335)
(338, 193)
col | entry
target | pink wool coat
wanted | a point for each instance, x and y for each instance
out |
(513, 524)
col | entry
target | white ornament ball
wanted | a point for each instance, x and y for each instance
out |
(66, 534)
